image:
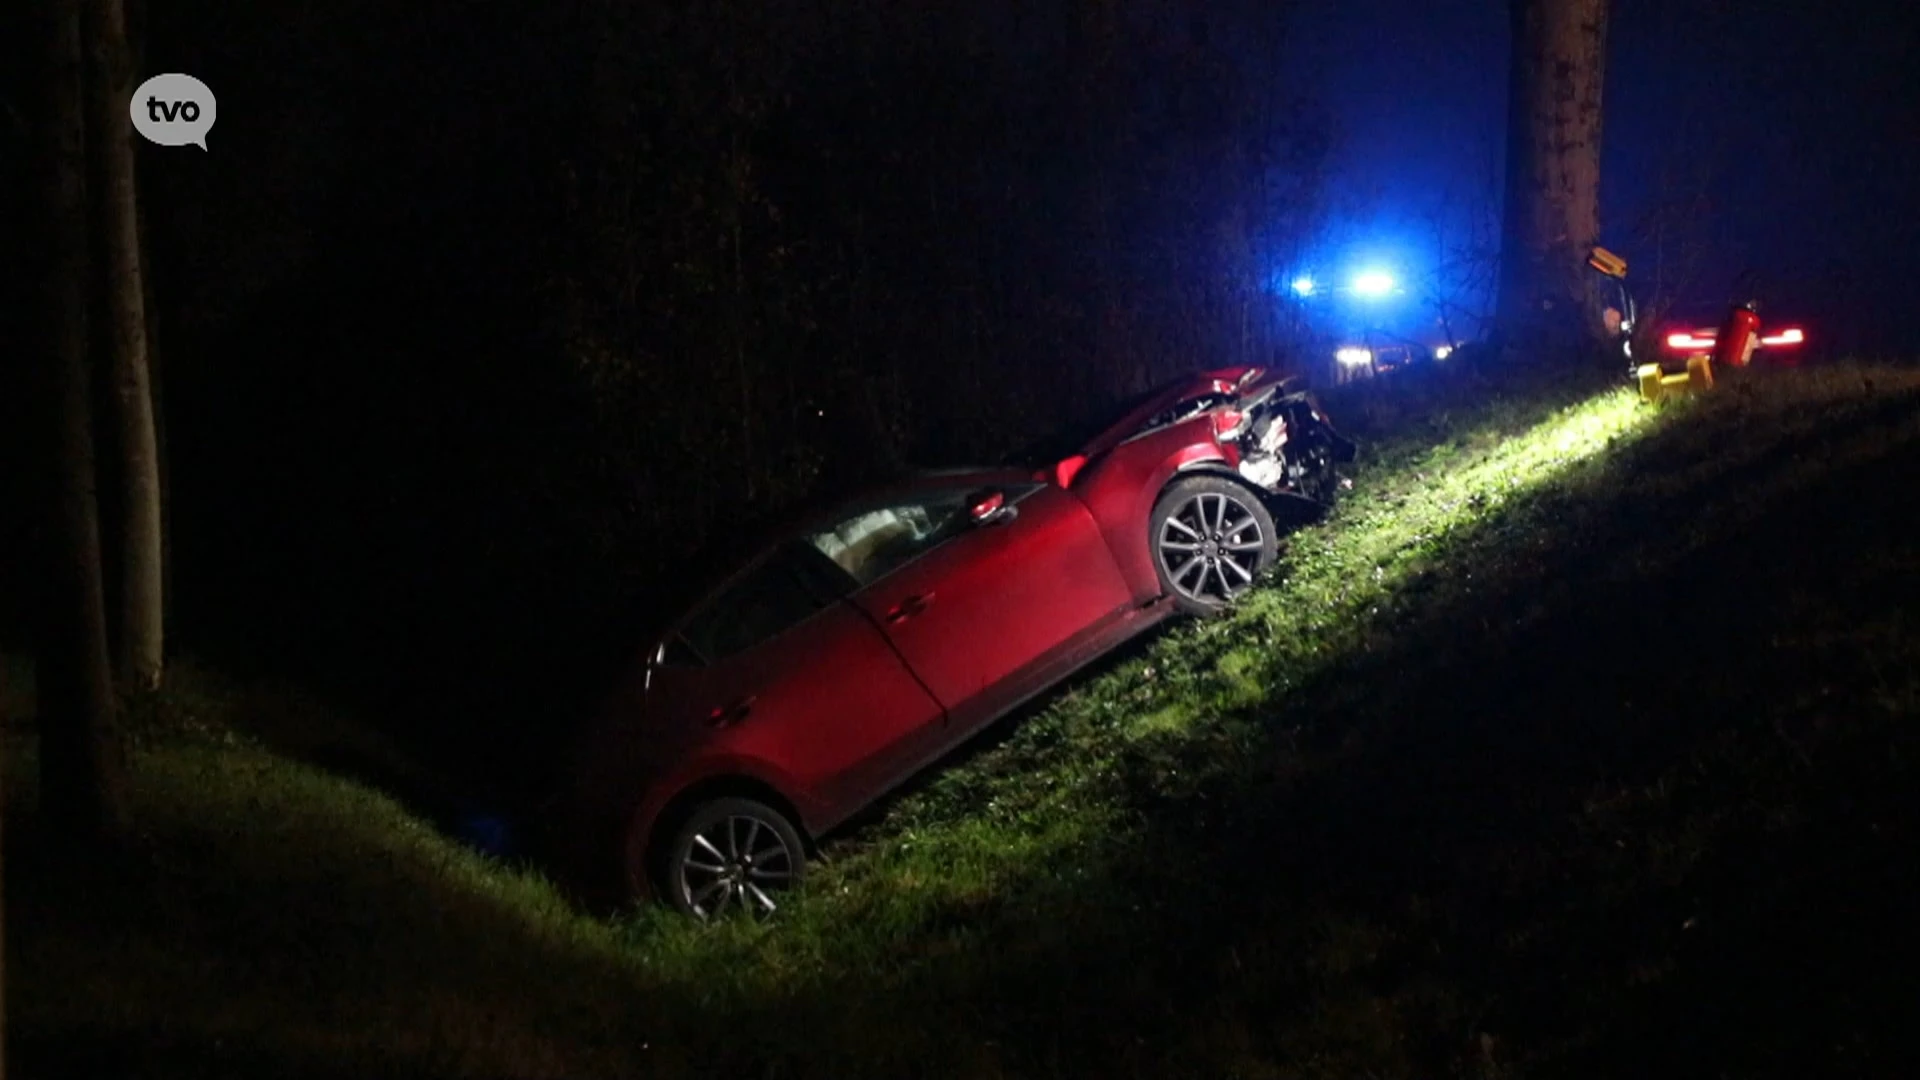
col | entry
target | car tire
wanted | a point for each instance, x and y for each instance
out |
(732, 856)
(1210, 537)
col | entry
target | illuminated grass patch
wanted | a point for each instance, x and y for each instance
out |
(1330, 590)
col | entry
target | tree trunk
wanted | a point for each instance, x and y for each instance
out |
(156, 375)
(3, 880)
(156, 355)
(1547, 301)
(82, 785)
(141, 627)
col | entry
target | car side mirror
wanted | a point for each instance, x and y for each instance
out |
(990, 507)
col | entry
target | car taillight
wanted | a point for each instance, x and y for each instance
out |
(1792, 336)
(1690, 341)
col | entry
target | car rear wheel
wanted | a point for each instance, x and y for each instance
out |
(1211, 537)
(732, 857)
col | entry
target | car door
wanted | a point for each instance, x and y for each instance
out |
(780, 668)
(970, 604)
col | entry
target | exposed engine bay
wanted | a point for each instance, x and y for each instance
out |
(1287, 444)
(1276, 438)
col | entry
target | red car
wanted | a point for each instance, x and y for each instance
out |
(862, 645)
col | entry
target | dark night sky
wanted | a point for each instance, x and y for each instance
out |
(1416, 89)
(1795, 121)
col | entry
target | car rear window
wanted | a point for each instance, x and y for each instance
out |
(771, 598)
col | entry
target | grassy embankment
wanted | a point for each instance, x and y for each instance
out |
(1579, 740)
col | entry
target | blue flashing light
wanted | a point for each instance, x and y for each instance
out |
(1373, 283)
(1304, 286)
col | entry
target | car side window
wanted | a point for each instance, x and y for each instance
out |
(675, 652)
(876, 541)
(771, 598)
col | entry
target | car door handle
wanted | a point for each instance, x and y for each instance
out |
(908, 608)
(729, 715)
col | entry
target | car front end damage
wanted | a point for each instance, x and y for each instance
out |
(1270, 431)
(1283, 442)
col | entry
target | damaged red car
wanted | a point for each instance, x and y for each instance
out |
(861, 645)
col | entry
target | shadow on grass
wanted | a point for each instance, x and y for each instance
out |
(1623, 790)
(200, 702)
(269, 919)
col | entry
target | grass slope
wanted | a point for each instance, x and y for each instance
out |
(1578, 741)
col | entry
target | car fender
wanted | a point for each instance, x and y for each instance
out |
(1121, 487)
(663, 792)
(1284, 505)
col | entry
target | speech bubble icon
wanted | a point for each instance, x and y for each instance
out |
(173, 110)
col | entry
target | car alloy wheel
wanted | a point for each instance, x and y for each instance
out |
(1211, 539)
(732, 857)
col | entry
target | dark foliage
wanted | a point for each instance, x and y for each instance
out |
(484, 319)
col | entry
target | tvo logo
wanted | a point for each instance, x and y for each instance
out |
(173, 110)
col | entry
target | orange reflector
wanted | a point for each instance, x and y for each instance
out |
(1607, 263)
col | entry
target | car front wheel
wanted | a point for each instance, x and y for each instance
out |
(1211, 537)
(733, 856)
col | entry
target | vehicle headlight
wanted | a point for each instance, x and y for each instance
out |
(1441, 352)
(1353, 356)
